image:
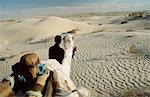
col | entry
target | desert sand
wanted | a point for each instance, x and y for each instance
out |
(113, 54)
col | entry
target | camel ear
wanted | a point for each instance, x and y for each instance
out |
(72, 37)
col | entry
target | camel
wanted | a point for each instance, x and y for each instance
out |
(64, 86)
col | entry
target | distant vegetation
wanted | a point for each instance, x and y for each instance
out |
(133, 49)
(9, 57)
(73, 31)
(32, 41)
(135, 15)
(9, 20)
(100, 30)
(136, 93)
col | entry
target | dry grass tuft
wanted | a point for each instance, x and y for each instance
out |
(136, 93)
(133, 49)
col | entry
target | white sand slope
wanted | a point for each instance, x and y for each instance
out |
(37, 29)
(111, 58)
(107, 65)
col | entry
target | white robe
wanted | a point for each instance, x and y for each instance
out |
(61, 72)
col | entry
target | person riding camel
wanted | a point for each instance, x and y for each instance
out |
(63, 85)
(56, 52)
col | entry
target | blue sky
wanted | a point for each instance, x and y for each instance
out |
(23, 4)
(37, 7)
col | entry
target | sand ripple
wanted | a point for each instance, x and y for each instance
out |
(105, 64)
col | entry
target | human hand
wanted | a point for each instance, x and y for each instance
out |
(42, 79)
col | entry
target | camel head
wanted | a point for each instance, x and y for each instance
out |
(68, 41)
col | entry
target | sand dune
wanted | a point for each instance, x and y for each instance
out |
(111, 58)
(38, 29)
